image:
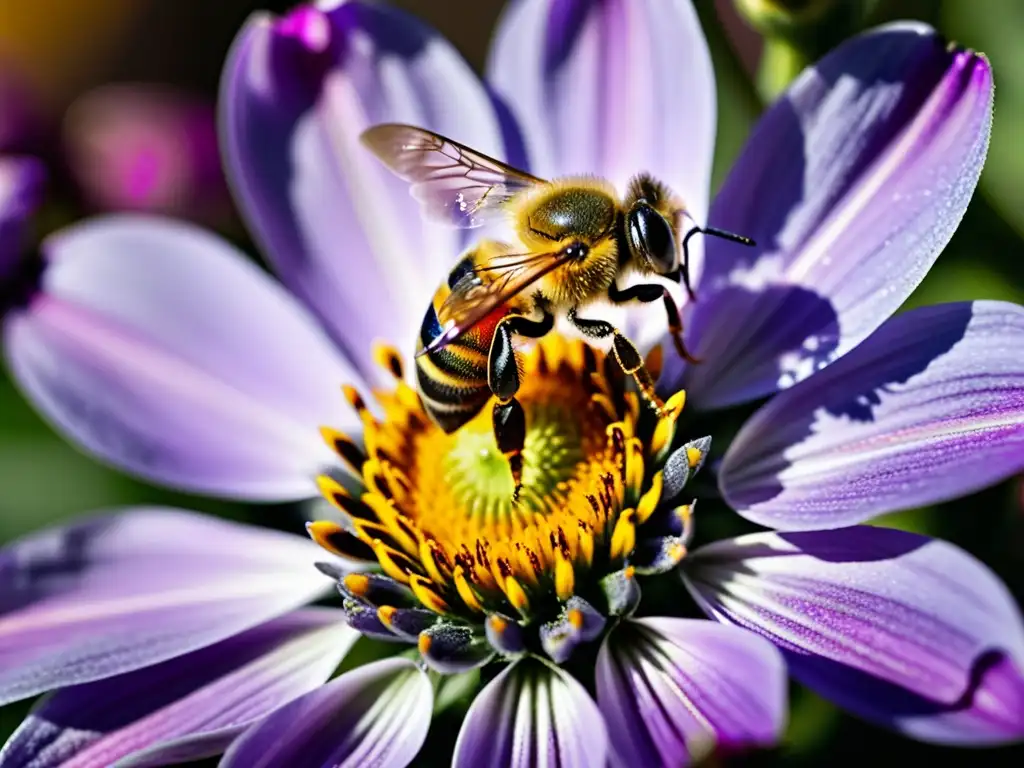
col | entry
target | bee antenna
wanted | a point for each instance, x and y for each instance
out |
(685, 271)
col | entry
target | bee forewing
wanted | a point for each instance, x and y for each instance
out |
(453, 183)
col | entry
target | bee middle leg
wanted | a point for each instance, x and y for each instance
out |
(508, 417)
(626, 355)
(647, 294)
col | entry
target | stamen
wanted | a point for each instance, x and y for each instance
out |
(458, 558)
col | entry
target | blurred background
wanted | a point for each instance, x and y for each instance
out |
(117, 97)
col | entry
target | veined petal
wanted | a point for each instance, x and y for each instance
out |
(613, 88)
(530, 715)
(901, 629)
(344, 233)
(21, 189)
(376, 715)
(929, 407)
(159, 348)
(187, 708)
(851, 185)
(116, 592)
(672, 690)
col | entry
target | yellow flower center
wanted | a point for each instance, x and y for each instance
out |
(437, 510)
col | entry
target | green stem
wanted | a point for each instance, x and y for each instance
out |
(781, 62)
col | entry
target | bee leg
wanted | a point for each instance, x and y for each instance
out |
(626, 355)
(503, 380)
(649, 293)
(510, 433)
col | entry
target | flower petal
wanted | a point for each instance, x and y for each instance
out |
(116, 592)
(21, 190)
(342, 232)
(532, 714)
(896, 627)
(159, 348)
(612, 88)
(851, 185)
(930, 407)
(377, 714)
(675, 688)
(187, 708)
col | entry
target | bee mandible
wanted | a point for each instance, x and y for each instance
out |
(577, 236)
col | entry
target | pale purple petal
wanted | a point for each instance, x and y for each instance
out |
(930, 407)
(612, 88)
(189, 707)
(851, 185)
(146, 148)
(898, 628)
(21, 191)
(343, 232)
(674, 689)
(159, 348)
(532, 714)
(376, 715)
(117, 592)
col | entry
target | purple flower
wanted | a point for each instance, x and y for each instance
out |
(158, 348)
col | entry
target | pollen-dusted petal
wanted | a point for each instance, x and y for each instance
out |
(676, 688)
(530, 715)
(376, 589)
(676, 473)
(621, 591)
(505, 635)
(407, 623)
(364, 618)
(658, 555)
(851, 185)
(452, 648)
(928, 408)
(377, 714)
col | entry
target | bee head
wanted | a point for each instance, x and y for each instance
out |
(651, 238)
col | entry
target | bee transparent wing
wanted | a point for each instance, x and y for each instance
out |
(471, 301)
(454, 184)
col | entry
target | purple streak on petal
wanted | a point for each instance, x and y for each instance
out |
(160, 349)
(898, 608)
(116, 592)
(671, 688)
(375, 715)
(146, 148)
(21, 190)
(991, 711)
(187, 708)
(342, 232)
(532, 714)
(613, 88)
(851, 185)
(929, 407)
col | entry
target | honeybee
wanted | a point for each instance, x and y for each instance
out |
(576, 235)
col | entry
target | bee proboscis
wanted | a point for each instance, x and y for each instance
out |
(576, 237)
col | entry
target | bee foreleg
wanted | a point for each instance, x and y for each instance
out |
(626, 355)
(510, 433)
(649, 293)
